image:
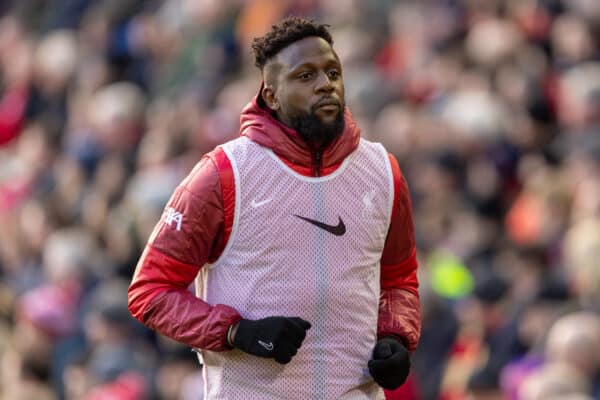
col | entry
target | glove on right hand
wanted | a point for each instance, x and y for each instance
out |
(390, 363)
(271, 337)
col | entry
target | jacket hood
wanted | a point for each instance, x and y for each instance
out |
(258, 124)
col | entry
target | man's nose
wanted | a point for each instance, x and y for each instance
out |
(324, 84)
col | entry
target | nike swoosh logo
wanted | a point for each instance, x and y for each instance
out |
(337, 230)
(257, 204)
(269, 346)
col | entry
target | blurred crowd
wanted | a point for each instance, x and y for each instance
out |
(491, 107)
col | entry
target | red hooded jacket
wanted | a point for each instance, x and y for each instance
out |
(159, 294)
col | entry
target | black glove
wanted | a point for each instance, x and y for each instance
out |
(390, 364)
(272, 337)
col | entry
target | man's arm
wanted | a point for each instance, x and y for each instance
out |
(399, 306)
(190, 233)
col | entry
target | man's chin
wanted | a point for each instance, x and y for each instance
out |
(319, 129)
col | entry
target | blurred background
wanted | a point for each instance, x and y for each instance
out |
(491, 107)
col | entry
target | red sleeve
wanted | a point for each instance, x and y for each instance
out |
(399, 306)
(191, 232)
(192, 222)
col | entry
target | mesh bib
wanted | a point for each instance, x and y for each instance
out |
(306, 247)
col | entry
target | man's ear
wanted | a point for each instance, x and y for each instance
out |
(268, 96)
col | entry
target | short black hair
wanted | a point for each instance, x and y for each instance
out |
(284, 33)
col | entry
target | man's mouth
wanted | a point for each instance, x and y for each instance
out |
(328, 105)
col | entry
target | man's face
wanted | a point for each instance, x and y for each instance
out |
(305, 88)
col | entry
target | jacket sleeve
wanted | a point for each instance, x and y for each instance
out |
(399, 306)
(189, 234)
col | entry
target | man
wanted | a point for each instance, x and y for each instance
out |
(300, 237)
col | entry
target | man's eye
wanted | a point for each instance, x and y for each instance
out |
(305, 76)
(333, 74)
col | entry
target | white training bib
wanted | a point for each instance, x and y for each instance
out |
(308, 247)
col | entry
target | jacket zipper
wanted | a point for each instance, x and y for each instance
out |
(316, 165)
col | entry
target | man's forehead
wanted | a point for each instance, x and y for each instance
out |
(305, 50)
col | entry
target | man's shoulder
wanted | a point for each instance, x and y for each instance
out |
(205, 174)
(373, 147)
(230, 145)
(370, 143)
